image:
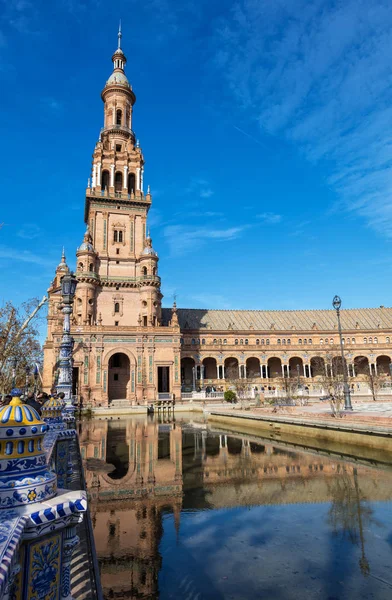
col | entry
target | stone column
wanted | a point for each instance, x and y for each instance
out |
(310, 371)
(141, 178)
(217, 371)
(223, 372)
(111, 175)
(304, 366)
(125, 182)
(98, 179)
(353, 370)
(194, 378)
(375, 368)
(94, 175)
(282, 371)
(201, 376)
(137, 178)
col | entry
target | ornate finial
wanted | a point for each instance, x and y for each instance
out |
(148, 189)
(63, 256)
(88, 182)
(119, 36)
(137, 144)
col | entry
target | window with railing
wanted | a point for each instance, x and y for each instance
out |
(246, 342)
(225, 341)
(365, 340)
(300, 342)
(278, 341)
(289, 341)
(215, 341)
(236, 342)
(241, 342)
(267, 342)
(117, 236)
(203, 341)
(257, 342)
(388, 340)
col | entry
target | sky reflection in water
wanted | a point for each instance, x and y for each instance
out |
(188, 513)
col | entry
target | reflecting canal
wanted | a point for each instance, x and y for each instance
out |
(184, 511)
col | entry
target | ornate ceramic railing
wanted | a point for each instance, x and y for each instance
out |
(39, 514)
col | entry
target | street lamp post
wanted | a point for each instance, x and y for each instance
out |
(337, 303)
(68, 287)
(27, 371)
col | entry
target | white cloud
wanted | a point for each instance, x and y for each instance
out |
(270, 218)
(14, 254)
(29, 231)
(319, 74)
(183, 239)
(199, 187)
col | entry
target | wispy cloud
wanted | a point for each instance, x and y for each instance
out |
(319, 75)
(29, 231)
(183, 239)
(18, 255)
(199, 187)
(270, 218)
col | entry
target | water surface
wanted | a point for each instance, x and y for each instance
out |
(181, 510)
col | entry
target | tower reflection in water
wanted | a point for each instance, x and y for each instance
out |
(137, 471)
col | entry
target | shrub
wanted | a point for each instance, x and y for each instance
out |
(230, 396)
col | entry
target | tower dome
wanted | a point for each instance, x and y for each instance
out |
(149, 250)
(87, 244)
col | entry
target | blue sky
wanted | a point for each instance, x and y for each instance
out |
(267, 132)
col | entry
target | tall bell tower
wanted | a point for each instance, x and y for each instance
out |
(116, 210)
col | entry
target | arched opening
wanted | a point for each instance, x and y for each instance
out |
(274, 367)
(118, 117)
(144, 271)
(318, 366)
(118, 375)
(116, 307)
(80, 266)
(296, 366)
(118, 179)
(105, 180)
(117, 449)
(209, 368)
(91, 267)
(383, 363)
(361, 365)
(187, 365)
(231, 368)
(252, 368)
(131, 183)
(212, 445)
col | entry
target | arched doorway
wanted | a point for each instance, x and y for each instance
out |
(383, 363)
(296, 366)
(274, 367)
(118, 375)
(210, 368)
(231, 368)
(187, 365)
(252, 368)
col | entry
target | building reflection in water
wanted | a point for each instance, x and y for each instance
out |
(137, 470)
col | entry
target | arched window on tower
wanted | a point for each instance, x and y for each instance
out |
(105, 180)
(131, 183)
(91, 267)
(118, 179)
(144, 271)
(116, 307)
(118, 117)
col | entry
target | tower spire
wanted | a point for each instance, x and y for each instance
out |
(119, 36)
